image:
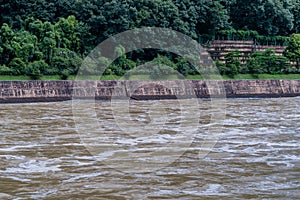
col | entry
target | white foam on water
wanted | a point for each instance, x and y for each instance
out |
(6, 196)
(18, 147)
(207, 190)
(43, 193)
(13, 157)
(84, 176)
(18, 179)
(280, 162)
(35, 166)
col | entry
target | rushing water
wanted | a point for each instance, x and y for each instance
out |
(257, 154)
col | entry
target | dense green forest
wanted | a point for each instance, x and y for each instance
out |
(39, 37)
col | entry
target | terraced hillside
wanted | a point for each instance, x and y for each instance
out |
(219, 48)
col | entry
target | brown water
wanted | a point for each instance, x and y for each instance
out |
(257, 155)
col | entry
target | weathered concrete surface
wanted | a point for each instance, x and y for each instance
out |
(44, 91)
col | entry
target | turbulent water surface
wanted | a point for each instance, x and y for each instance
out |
(151, 150)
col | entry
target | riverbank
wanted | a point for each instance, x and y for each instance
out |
(146, 77)
(47, 91)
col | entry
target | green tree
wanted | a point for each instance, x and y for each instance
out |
(202, 17)
(17, 46)
(17, 66)
(36, 69)
(67, 30)
(222, 67)
(295, 10)
(268, 17)
(293, 49)
(4, 70)
(233, 63)
(184, 67)
(267, 62)
(254, 66)
(122, 64)
(162, 66)
(217, 17)
(64, 59)
(25, 45)
(6, 44)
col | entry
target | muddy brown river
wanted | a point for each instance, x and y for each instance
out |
(167, 149)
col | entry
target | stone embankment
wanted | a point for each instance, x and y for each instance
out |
(47, 91)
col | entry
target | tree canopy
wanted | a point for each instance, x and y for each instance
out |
(53, 36)
(192, 17)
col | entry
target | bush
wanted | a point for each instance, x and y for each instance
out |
(267, 62)
(36, 69)
(244, 69)
(120, 66)
(278, 64)
(254, 66)
(161, 66)
(221, 67)
(232, 65)
(65, 59)
(75, 64)
(160, 71)
(64, 75)
(4, 70)
(236, 35)
(292, 52)
(51, 71)
(164, 60)
(18, 66)
(272, 40)
(185, 68)
(116, 70)
(232, 70)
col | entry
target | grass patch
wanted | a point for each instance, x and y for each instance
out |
(279, 76)
(250, 77)
(50, 78)
(132, 77)
(145, 77)
(170, 77)
(199, 77)
(107, 77)
(13, 78)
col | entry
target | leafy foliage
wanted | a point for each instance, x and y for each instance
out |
(267, 62)
(293, 49)
(58, 34)
(270, 17)
(35, 69)
(38, 45)
(232, 65)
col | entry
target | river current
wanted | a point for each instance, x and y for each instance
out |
(166, 149)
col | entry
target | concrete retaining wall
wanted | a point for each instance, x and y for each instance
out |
(39, 91)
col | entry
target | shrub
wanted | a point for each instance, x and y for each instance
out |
(164, 60)
(233, 63)
(161, 66)
(184, 67)
(221, 67)
(160, 71)
(4, 70)
(18, 66)
(65, 74)
(116, 70)
(267, 62)
(292, 52)
(36, 69)
(254, 66)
